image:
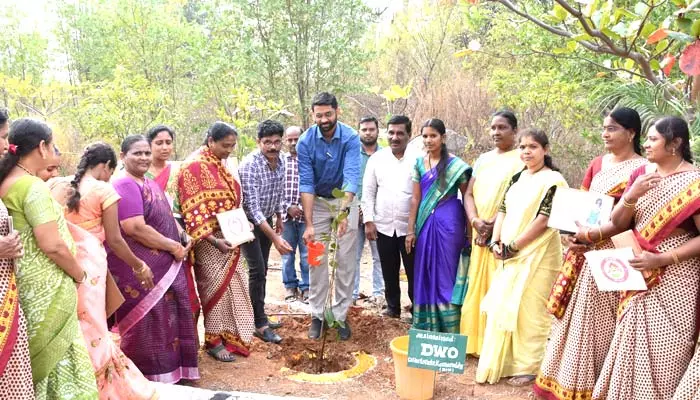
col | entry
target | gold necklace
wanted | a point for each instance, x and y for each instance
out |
(22, 167)
(675, 170)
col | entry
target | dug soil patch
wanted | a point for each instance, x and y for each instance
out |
(370, 334)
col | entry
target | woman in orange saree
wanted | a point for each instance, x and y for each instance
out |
(207, 188)
(656, 329)
(585, 316)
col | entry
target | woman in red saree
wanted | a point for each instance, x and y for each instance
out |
(206, 188)
(585, 316)
(656, 329)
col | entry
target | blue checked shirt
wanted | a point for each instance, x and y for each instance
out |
(263, 187)
(291, 186)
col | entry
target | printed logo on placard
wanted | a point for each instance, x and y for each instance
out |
(614, 269)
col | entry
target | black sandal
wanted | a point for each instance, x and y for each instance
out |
(218, 353)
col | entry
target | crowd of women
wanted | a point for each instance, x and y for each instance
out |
(65, 241)
(488, 267)
(537, 317)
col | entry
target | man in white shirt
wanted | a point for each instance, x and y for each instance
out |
(386, 199)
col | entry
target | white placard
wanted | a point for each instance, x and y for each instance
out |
(612, 271)
(235, 226)
(572, 205)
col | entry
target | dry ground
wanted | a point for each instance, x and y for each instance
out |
(262, 371)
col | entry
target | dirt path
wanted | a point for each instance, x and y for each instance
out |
(262, 372)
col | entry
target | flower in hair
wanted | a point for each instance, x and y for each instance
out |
(12, 148)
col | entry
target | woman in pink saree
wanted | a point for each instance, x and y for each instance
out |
(92, 214)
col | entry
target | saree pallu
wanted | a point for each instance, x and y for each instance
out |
(156, 325)
(116, 376)
(60, 363)
(206, 188)
(15, 369)
(517, 323)
(441, 227)
(656, 330)
(167, 181)
(227, 308)
(494, 173)
(586, 317)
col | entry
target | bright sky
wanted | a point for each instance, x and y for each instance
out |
(38, 13)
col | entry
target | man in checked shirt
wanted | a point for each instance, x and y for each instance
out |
(294, 224)
(262, 181)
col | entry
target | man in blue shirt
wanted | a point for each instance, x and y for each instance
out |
(329, 158)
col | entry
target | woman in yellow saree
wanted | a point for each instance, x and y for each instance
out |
(656, 329)
(529, 254)
(494, 169)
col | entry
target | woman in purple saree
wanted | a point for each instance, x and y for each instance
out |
(439, 219)
(156, 325)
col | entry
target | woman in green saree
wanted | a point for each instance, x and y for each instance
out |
(48, 272)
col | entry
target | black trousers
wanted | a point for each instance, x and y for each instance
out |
(392, 249)
(257, 253)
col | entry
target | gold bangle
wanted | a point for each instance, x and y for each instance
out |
(675, 257)
(627, 204)
(513, 246)
(600, 232)
(140, 270)
(82, 280)
(587, 235)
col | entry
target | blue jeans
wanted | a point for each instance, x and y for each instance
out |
(377, 278)
(293, 231)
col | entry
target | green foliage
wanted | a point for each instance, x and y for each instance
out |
(633, 36)
(653, 102)
(130, 64)
(298, 48)
(649, 100)
(23, 55)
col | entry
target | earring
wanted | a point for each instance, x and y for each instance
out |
(630, 141)
(673, 151)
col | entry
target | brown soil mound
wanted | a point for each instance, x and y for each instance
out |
(370, 334)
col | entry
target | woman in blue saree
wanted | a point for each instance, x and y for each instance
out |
(440, 232)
